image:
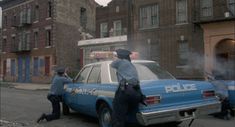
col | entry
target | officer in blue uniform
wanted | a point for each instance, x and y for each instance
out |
(55, 95)
(128, 95)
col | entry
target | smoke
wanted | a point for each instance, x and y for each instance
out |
(220, 66)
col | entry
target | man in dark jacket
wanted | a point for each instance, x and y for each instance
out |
(55, 95)
(128, 94)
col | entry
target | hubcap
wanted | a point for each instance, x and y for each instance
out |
(106, 118)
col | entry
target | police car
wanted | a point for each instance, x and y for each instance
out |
(168, 100)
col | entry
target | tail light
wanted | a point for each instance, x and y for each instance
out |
(209, 93)
(153, 100)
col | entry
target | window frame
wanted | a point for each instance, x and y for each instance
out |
(184, 51)
(149, 17)
(102, 35)
(99, 74)
(206, 8)
(117, 32)
(229, 3)
(179, 13)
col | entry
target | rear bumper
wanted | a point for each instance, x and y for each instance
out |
(177, 114)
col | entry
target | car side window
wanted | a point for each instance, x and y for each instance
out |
(94, 76)
(82, 76)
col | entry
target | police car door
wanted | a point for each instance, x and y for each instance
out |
(87, 96)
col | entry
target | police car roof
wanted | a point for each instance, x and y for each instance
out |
(110, 61)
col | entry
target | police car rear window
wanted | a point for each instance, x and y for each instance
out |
(146, 71)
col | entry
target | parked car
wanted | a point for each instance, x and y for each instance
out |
(168, 100)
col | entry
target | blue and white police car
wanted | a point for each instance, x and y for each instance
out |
(168, 100)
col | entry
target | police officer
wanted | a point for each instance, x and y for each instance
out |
(128, 94)
(55, 95)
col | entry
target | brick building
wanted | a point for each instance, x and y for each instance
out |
(217, 18)
(40, 34)
(166, 31)
(111, 30)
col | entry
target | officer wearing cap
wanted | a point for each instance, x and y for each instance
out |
(128, 94)
(55, 95)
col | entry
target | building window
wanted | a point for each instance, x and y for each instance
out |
(5, 20)
(36, 13)
(13, 44)
(35, 66)
(83, 17)
(117, 9)
(149, 16)
(13, 21)
(13, 67)
(48, 37)
(4, 45)
(49, 12)
(231, 6)
(117, 28)
(183, 52)
(181, 11)
(103, 30)
(206, 8)
(35, 38)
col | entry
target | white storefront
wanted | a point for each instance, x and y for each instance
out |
(100, 44)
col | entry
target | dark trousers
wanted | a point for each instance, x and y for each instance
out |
(55, 101)
(124, 102)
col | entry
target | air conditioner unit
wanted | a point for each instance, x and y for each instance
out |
(226, 14)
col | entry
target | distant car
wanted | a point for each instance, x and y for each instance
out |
(168, 100)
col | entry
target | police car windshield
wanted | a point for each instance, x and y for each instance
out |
(147, 71)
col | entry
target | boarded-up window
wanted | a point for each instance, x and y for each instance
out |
(35, 66)
(149, 16)
(206, 8)
(47, 66)
(181, 11)
(183, 52)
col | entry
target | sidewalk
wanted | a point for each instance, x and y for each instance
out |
(26, 86)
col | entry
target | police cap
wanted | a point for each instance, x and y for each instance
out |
(123, 52)
(60, 70)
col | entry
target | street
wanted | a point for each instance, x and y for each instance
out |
(21, 108)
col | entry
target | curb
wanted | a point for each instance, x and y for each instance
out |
(26, 86)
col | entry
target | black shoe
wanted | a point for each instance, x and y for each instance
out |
(42, 117)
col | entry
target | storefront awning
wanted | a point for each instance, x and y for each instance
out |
(108, 40)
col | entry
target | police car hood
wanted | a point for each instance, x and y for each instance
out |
(176, 91)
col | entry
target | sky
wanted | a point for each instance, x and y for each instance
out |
(101, 2)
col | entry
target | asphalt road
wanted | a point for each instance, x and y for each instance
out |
(21, 108)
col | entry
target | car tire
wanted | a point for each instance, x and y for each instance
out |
(66, 110)
(105, 115)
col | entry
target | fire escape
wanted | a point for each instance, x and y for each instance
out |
(21, 22)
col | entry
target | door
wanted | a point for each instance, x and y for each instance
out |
(24, 69)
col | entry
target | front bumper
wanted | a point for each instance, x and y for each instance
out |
(177, 114)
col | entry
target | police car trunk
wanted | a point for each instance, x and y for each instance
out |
(171, 100)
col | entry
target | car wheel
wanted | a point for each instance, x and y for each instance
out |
(105, 115)
(65, 109)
